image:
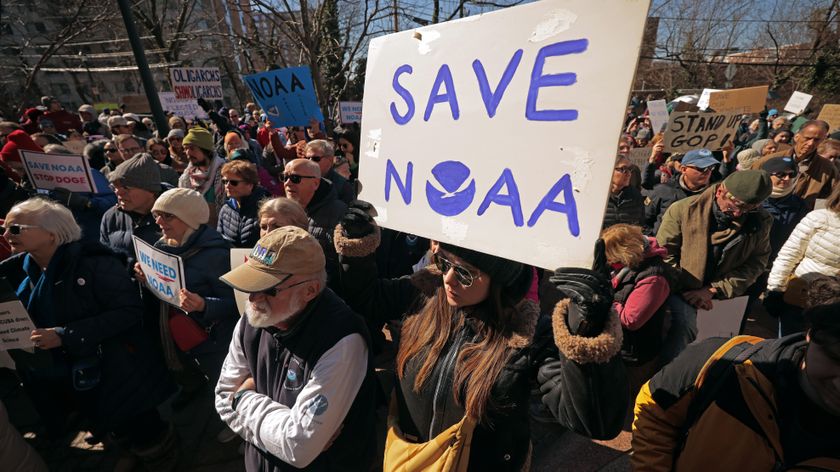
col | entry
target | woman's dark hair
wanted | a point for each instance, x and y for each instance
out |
(352, 137)
(95, 153)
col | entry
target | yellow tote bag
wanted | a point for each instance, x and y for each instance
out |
(449, 451)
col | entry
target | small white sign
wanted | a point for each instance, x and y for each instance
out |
(723, 320)
(186, 108)
(50, 171)
(703, 102)
(658, 114)
(798, 102)
(15, 326)
(164, 272)
(239, 256)
(350, 112)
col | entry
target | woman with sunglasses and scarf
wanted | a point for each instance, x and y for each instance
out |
(90, 354)
(182, 215)
(471, 348)
(238, 222)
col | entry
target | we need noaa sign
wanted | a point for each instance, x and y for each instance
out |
(164, 272)
(496, 132)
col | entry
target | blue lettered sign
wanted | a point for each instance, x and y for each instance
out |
(164, 272)
(499, 132)
(286, 95)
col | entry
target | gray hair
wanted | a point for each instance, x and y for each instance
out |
(56, 149)
(321, 146)
(52, 217)
(290, 210)
(310, 166)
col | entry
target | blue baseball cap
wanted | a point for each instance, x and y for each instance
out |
(700, 158)
(772, 112)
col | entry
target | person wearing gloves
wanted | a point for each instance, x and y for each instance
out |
(812, 249)
(182, 216)
(298, 381)
(470, 346)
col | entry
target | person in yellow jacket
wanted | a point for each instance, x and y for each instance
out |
(748, 404)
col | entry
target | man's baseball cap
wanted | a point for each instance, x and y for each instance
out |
(701, 158)
(285, 251)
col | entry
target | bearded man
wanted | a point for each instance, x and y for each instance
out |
(297, 383)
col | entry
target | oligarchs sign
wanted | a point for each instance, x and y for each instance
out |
(488, 132)
(196, 82)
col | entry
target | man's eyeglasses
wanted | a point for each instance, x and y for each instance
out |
(273, 291)
(16, 229)
(783, 175)
(233, 183)
(738, 205)
(163, 215)
(296, 178)
(704, 170)
(624, 170)
(462, 275)
(315, 158)
(111, 150)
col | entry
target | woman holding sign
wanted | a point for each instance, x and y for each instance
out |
(90, 354)
(471, 346)
(196, 333)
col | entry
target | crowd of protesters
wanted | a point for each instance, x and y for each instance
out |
(480, 345)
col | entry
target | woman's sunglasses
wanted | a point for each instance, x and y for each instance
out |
(463, 275)
(16, 229)
(233, 183)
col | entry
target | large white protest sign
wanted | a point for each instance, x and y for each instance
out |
(487, 132)
(798, 102)
(658, 114)
(187, 108)
(48, 171)
(350, 112)
(692, 130)
(239, 256)
(15, 325)
(164, 272)
(723, 320)
(196, 82)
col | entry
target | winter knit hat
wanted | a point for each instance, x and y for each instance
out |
(17, 140)
(780, 164)
(758, 145)
(514, 277)
(747, 157)
(188, 205)
(749, 186)
(141, 171)
(200, 137)
(175, 133)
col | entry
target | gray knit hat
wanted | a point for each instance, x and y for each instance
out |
(141, 171)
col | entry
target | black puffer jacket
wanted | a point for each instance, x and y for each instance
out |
(118, 226)
(239, 224)
(628, 207)
(662, 196)
(325, 211)
(99, 307)
(583, 382)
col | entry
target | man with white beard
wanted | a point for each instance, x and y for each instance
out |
(297, 383)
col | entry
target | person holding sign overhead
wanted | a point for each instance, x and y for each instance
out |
(471, 345)
(182, 216)
(90, 354)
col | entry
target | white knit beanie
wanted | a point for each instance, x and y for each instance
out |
(187, 204)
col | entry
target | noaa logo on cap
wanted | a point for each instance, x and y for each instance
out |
(263, 255)
(788, 160)
(704, 153)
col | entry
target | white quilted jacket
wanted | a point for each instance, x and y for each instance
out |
(813, 247)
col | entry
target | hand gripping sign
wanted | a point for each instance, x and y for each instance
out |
(488, 132)
(164, 272)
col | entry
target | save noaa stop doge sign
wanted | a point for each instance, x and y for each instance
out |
(496, 132)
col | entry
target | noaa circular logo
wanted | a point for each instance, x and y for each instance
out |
(456, 195)
(319, 405)
(291, 375)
